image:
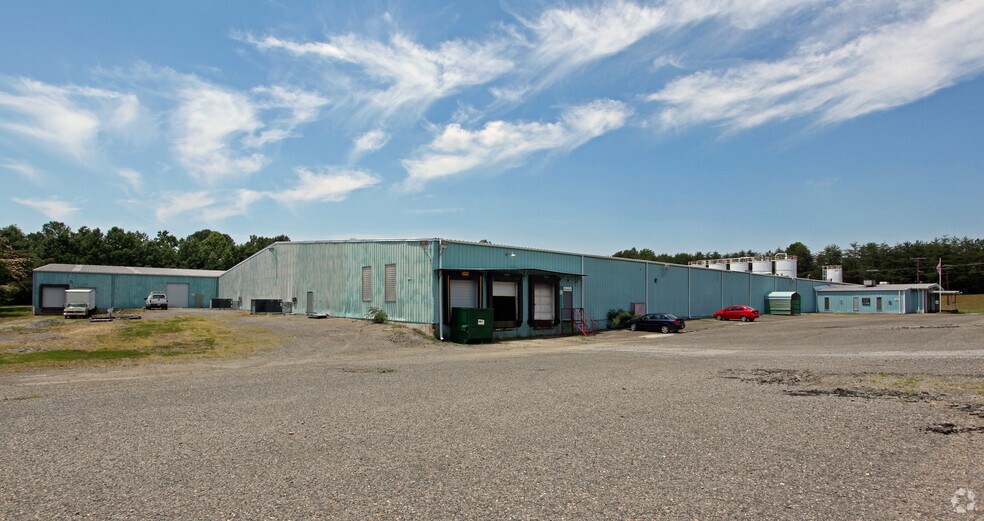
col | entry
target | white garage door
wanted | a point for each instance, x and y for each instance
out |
(543, 302)
(177, 295)
(464, 294)
(52, 297)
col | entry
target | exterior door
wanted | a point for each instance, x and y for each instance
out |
(567, 305)
(826, 303)
(878, 304)
(53, 297)
(463, 293)
(857, 304)
(177, 295)
(310, 303)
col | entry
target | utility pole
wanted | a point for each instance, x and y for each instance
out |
(918, 273)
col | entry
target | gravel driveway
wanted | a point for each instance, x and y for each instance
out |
(350, 420)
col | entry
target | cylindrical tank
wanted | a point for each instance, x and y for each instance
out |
(717, 265)
(833, 273)
(762, 266)
(786, 267)
(742, 264)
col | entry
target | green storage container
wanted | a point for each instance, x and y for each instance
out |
(471, 324)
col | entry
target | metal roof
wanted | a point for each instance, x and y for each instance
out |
(782, 294)
(127, 270)
(880, 287)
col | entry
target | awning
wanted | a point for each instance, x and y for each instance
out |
(523, 271)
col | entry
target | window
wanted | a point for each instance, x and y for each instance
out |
(367, 283)
(865, 301)
(390, 283)
(826, 303)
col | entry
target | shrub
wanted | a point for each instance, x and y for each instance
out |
(377, 315)
(618, 317)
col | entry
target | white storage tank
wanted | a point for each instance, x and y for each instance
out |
(833, 273)
(718, 264)
(762, 266)
(785, 265)
(742, 264)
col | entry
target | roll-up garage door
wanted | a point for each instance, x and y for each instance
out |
(543, 302)
(464, 293)
(53, 297)
(177, 295)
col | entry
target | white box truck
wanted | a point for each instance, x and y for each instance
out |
(79, 303)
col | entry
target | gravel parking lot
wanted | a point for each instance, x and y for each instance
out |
(811, 417)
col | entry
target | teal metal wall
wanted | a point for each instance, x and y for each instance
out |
(123, 291)
(893, 302)
(333, 272)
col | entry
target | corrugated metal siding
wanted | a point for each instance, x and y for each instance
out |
(124, 291)
(612, 284)
(843, 301)
(668, 289)
(333, 271)
(480, 256)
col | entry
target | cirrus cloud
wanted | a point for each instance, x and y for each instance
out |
(456, 150)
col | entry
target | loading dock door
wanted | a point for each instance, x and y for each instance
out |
(177, 295)
(53, 297)
(464, 293)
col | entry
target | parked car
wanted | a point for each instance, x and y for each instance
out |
(737, 312)
(156, 299)
(662, 322)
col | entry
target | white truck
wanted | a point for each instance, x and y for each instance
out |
(79, 303)
(156, 299)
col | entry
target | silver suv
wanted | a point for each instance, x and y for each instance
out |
(156, 299)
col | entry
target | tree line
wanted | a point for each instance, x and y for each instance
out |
(21, 252)
(902, 263)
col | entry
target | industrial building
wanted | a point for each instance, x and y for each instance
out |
(881, 298)
(533, 292)
(122, 287)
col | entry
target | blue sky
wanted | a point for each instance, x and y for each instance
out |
(590, 127)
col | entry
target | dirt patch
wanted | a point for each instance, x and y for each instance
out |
(368, 370)
(962, 393)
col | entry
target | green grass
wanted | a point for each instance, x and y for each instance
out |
(970, 303)
(8, 312)
(145, 329)
(69, 355)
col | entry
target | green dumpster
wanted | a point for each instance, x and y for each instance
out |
(471, 324)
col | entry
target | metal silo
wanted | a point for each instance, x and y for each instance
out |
(742, 264)
(762, 266)
(833, 273)
(785, 265)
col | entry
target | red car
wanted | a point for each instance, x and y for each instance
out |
(737, 312)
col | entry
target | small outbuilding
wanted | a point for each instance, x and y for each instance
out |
(122, 286)
(880, 298)
(783, 303)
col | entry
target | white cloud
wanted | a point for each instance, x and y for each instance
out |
(567, 38)
(332, 186)
(178, 203)
(67, 119)
(240, 204)
(132, 178)
(54, 208)
(888, 66)
(207, 121)
(25, 170)
(369, 142)
(403, 73)
(301, 107)
(500, 143)
(821, 184)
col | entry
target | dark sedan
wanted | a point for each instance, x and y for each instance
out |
(662, 322)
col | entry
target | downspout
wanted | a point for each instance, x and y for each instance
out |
(440, 290)
(689, 296)
(582, 283)
(901, 302)
(647, 286)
